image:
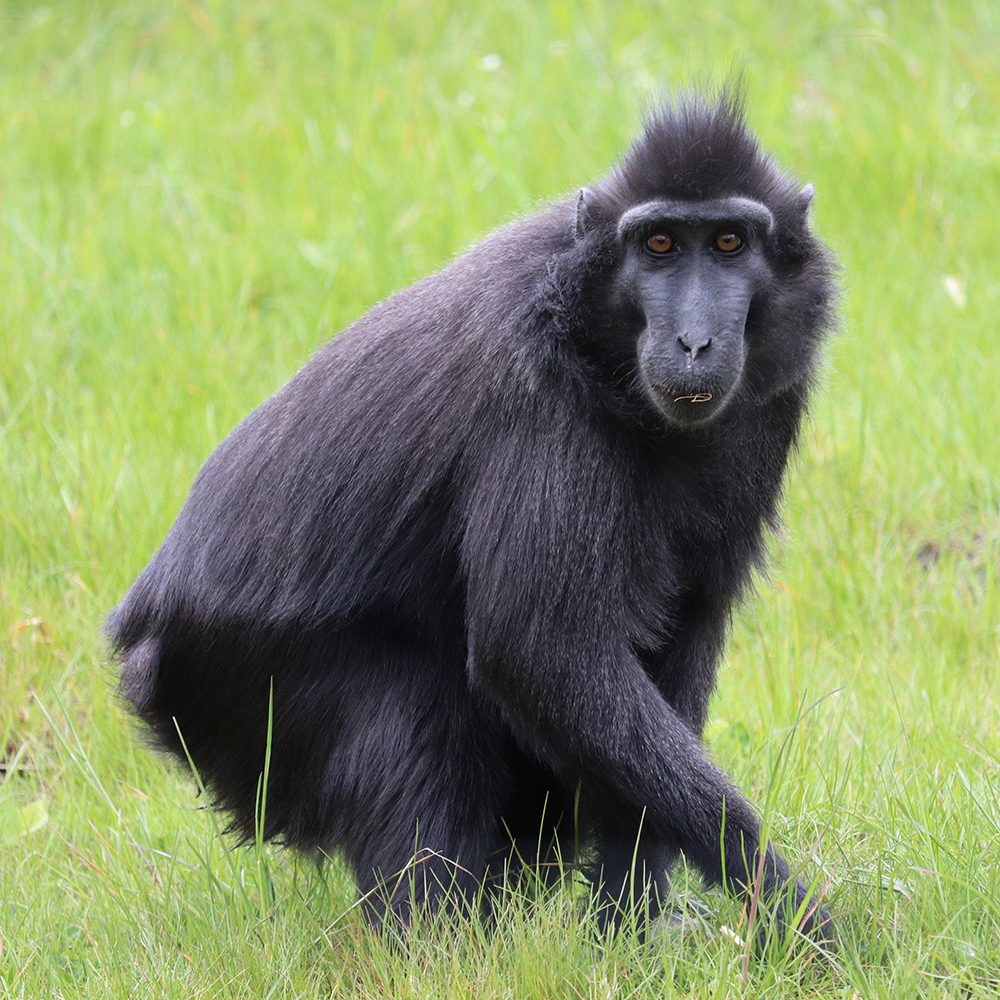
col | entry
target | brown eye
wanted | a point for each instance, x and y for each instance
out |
(728, 242)
(660, 243)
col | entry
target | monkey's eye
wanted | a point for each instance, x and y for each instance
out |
(660, 243)
(728, 242)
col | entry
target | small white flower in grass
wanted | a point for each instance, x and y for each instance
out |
(465, 99)
(955, 287)
(126, 118)
(491, 62)
(963, 95)
(731, 935)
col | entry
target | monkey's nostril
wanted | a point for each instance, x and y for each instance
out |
(696, 349)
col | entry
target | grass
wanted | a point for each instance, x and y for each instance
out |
(193, 197)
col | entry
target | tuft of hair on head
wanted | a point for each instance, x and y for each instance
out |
(698, 146)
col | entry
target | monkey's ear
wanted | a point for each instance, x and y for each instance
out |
(584, 215)
(805, 198)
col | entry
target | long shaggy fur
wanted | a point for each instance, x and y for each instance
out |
(468, 566)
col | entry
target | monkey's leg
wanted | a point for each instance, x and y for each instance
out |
(538, 834)
(424, 843)
(630, 873)
(427, 879)
(417, 781)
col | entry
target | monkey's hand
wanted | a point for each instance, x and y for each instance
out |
(799, 919)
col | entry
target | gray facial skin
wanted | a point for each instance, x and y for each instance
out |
(693, 299)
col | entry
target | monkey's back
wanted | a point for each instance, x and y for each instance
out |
(309, 508)
(314, 562)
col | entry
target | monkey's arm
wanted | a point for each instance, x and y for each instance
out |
(548, 626)
(685, 670)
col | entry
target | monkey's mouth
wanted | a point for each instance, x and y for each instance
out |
(694, 397)
(687, 406)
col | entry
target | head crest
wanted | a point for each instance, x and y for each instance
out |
(698, 148)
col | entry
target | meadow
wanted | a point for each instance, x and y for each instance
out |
(195, 196)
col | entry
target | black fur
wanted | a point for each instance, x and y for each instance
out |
(481, 568)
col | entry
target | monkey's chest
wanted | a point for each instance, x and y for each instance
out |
(704, 537)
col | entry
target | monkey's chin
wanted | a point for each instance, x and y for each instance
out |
(688, 409)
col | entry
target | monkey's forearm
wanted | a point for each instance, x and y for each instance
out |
(653, 760)
(630, 739)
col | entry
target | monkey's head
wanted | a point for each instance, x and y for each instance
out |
(717, 289)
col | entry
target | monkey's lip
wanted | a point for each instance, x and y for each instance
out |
(686, 405)
(687, 396)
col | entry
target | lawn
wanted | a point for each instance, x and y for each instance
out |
(193, 197)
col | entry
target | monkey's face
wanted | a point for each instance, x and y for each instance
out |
(689, 272)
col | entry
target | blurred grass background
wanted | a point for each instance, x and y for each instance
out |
(193, 197)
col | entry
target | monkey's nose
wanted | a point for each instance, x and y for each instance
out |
(699, 345)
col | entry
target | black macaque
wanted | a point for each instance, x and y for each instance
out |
(477, 558)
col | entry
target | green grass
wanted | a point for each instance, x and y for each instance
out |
(194, 197)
